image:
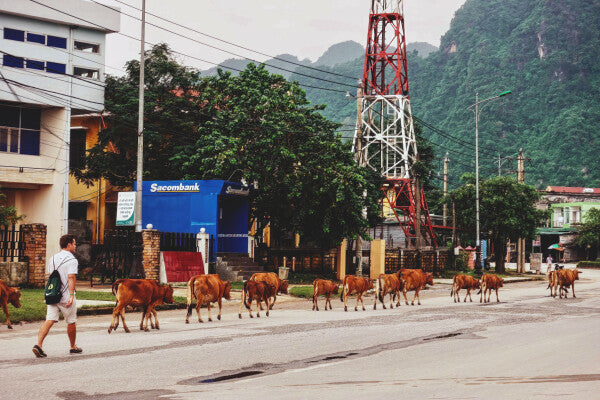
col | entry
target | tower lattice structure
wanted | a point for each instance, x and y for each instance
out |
(385, 139)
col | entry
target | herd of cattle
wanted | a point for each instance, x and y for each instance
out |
(264, 287)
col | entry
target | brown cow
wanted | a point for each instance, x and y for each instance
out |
(566, 278)
(272, 279)
(206, 289)
(145, 293)
(488, 283)
(10, 295)
(323, 287)
(351, 285)
(463, 282)
(414, 279)
(553, 284)
(388, 284)
(259, 291)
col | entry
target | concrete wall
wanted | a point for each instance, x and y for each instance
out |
(13, 273)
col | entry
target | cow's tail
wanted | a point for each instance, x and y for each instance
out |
(343, 288)
(115, 286)
(379, 289)
(245, 294)
(190, 294)
(315, 294)
(452, 290)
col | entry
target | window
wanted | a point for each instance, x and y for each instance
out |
(55, 68)
(34, 64)
(55, 41)
(36, 38)
(86, 47)
(86, 72)
(77, 148)
(20, 130)
(12, 61)
(77, 210)
(14, 34)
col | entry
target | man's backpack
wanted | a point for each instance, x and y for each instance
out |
(53, 291)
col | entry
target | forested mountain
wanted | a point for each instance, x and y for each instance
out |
(546, 51)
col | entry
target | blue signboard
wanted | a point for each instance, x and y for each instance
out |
(220, 207)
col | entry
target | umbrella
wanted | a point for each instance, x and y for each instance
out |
(555, 246)
(470, 248)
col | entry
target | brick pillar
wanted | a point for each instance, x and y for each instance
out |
(151, 255)
(35, 250)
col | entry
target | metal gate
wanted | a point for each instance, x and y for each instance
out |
(120, 256)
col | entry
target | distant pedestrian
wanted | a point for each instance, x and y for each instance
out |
(67, 266)
(549, 262)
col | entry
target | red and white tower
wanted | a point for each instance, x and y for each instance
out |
(384, 139)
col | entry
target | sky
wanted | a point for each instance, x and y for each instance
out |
(304, 28)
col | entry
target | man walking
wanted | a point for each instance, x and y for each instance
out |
(66, 264)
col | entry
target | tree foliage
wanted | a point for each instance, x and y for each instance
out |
(589, 233)
(255, 125)
(8, 214)
(507, 212)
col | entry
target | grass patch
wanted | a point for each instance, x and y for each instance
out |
(307, 278)
(33, 307)
(301, 291)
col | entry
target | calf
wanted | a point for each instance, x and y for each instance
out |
(488, 283)
(206, 289)
(145, 293)
(388, 284)
(271, 278)
(414, 279)
(566, 278)
(463, 282)
(324, 287)
(259, 291)
(553, 283)
(10, 295)
(351, 285)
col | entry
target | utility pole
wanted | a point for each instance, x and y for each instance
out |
(418, 237)
(521, 241)
(140, 152)
(361, 163)
(445, 212)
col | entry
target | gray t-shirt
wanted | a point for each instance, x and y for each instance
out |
(67, 264)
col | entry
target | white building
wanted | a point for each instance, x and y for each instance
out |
(52, 66)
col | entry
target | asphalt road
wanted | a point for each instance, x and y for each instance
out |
(528, 346)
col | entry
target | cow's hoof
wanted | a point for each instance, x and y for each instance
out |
(345, 308)
(412, 304)
(240, 315)
(200, 321)
(157, 327)
(9, 326)
(127, 331)
(219, 317)
(251, 316)
(187, 321)
(210, 320)
(109, 331)
(257, 315)
(267, 313)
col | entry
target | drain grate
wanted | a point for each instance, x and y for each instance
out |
(232, 376)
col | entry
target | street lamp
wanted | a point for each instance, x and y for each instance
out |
(477, 110)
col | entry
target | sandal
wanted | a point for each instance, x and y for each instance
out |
(39, 353)
(76, 350)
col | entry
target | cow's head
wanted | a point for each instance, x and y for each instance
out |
(336, 288)
(168, 296)
(283, 287)
(476, 283)
(227, 290)
(429, 279)
(14, 297)
(371, 283)
(501, 282)
(576, 273)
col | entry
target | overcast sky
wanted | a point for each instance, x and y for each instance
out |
(304, 28)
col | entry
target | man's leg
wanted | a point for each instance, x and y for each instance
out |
(72, 333)
(44, 329)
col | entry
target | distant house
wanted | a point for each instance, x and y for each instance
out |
(52, 68)
(568, 207)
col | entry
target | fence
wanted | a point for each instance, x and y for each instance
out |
(302, 259)
(177, 241)
(429, 260)
(12, 244)
(119, 257)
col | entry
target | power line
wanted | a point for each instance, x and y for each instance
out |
(225, 41)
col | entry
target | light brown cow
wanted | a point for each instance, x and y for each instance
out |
(272, 279)
(351, 285)
(206, 289)
(488, 283)
(145, 293)
(414, 279)
(566, 278)
(463, 282)
(553, 284)
(388, 284)
(10, 295)
(259, 291)
(326, 288)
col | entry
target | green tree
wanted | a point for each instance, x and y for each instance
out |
(8, 214)
(507, 211)
(172, 115)
(589, 233)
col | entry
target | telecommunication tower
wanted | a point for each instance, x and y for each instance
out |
(384, 139)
